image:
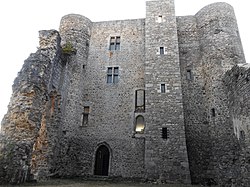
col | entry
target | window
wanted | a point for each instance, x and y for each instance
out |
(139, 124)
(115, 43)
(109, 75)
(85, 116)
(163, 88)
(213, 112)
(140, 101)
(160, 19)
(189, 74)
(112, 75)
(161, 50)
(164, 133)
(242, 135)
(115, 75)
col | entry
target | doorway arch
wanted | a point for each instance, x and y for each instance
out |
(102, 156)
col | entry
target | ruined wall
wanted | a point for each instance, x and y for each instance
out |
(209, 46)
(25, 125)
(165, 157)
(237, 88)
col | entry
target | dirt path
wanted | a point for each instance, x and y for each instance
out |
(73, 183)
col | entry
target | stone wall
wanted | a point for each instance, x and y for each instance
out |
(194, 101)
(165, 157)
(209, 46)
(64, 107)
(111, 116)
(24, 126)
(237, 84)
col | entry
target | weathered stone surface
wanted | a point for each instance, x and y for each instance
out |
(27, 110)
(196, 114)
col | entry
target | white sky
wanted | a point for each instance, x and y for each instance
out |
(20, 21)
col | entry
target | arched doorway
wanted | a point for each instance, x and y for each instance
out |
(102, 161)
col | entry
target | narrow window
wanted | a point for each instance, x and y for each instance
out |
(139, 124)
(161, 50)
(85, 116)
(189, 74)
(118, 40)
(242, 135)
(140, 101)
(164, 133)
(115, 75)
(109, 75)
(213, 112)
(115, 43)
(163, 88)
(160, 19)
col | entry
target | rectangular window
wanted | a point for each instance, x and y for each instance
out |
(118, 40)
(140, 101)
(115, 43)
(160, 19)
(163, 88)
(161, 50)
(85, 116)
(164, 133)
(113, 75)
(189, 74)
(109, 75)
(213, 112)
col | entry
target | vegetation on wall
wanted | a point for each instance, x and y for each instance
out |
(68, 49)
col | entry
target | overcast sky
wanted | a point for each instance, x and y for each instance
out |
(20, 21)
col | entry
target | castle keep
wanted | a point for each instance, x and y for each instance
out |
(161, 98)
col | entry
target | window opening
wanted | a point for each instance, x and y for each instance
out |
(85, 116)
(163, 88)
(118, 41)
(164, 133)
(140, 101)
(242, 135)
(113, 75)
(109, 75)
(160, 19)
(115, 43)
(213, 112)
(189, 74)
(161, 50)
(139, 124)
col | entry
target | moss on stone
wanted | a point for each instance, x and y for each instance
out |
(68, 49)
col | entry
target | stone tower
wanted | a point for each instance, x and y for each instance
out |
(165, 148)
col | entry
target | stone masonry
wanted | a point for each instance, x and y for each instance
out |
(160, 99)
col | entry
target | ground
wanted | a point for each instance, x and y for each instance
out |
(77, 183)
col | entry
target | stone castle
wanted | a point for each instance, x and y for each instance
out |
(162, 98)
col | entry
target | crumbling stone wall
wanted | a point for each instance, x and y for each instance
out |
(237, 88)
(25, 124)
